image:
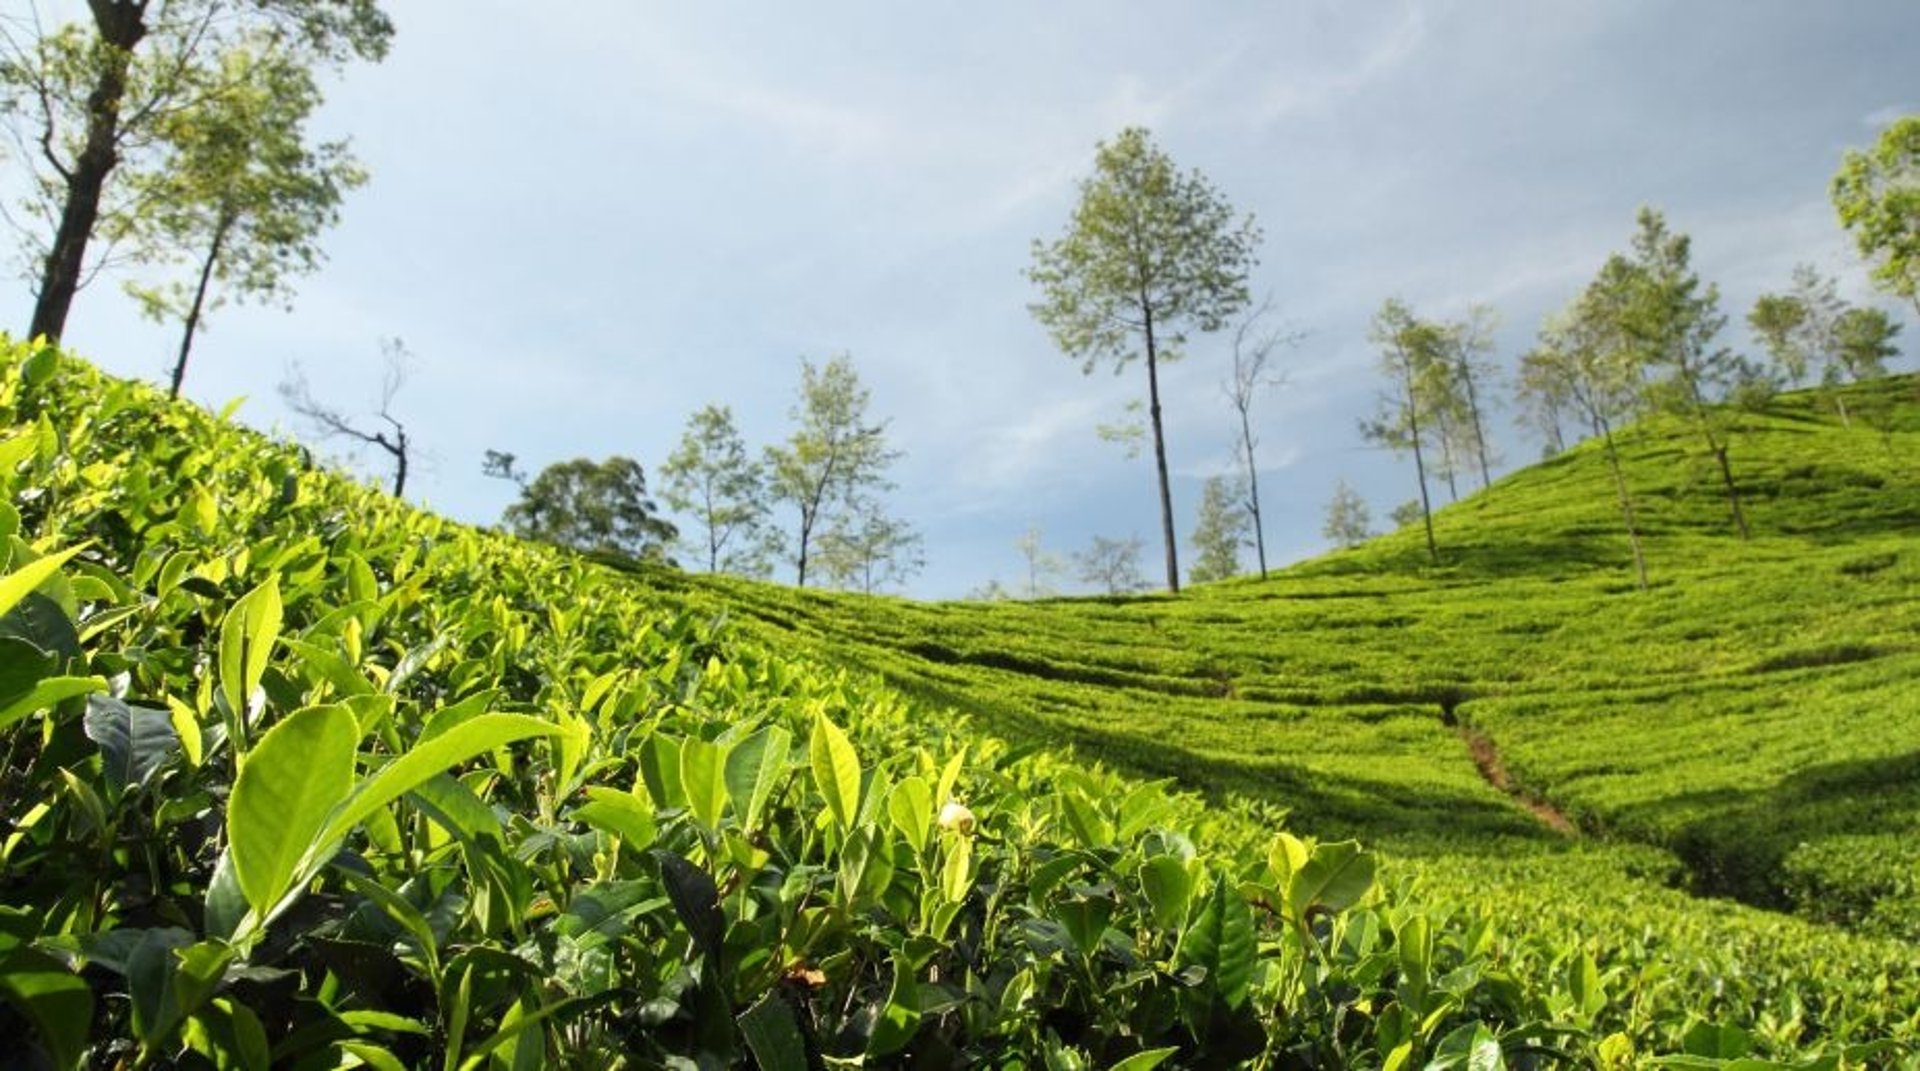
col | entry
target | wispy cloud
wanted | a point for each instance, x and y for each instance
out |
(1320, 89)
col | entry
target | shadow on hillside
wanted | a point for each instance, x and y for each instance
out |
(1324, 804)
(1738, 849)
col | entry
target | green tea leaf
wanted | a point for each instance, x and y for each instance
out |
(1146, 1060)
(660, 771)
(1470, 1047)
(910, 806)
(836, 770)
(900, 1017)
(620, 814)
(1335, 877)
(22, 581)
(773, 1035)
(754, 768)
(956, 876)
(47, 693)
(1168, 885)
(475, 736)
(703, 778)
(247, 635)
(133, 741)
(51, 998)
(696, 899)
(1222, 940)
(288, 784)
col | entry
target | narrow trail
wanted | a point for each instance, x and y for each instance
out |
(1486, 759)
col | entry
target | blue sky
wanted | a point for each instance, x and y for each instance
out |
(587, 220)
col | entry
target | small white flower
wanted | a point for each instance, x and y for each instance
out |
(955, 816)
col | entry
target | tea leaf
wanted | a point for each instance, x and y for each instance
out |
(288, 785)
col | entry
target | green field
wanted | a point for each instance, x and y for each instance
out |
(294, 775)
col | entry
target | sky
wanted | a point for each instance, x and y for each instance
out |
(588, 220)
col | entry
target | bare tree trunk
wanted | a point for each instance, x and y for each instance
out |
(1733, 491)
(1626, 505)
(1420, 465)
(1253, 493)
(1479, 433)
(1160, 454)
(121, 25)
(199, 302)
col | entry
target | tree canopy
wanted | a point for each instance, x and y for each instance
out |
(595, 506)
(1877, 196)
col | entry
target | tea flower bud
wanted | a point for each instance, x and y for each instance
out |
(955, 816)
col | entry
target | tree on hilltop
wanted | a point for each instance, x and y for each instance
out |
(593, 506)
(1149, 255)
(835, 457)
(1221, 530)
(1112, 564)
(1410, 351)
(1253, 351)
(711, 477)
(1674, 319)
(1349, 523)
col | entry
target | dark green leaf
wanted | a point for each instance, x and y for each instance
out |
(53, 999)
(773, 1035)
(696, 899)
(133, 741)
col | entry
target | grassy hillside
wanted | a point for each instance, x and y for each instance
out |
(1748, 728)
(294, 775)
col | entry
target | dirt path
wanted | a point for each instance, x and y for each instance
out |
(1486, 758)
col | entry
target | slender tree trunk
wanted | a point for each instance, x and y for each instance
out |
(120, 25)
(1719, 452)
(1420, 465)
(806, 530)
(1840, 404)
(1733, 491)
(1253, 493)
(1626, 504)
(199, 302)
(1479, 433)
(1160, 454)
(400, 463)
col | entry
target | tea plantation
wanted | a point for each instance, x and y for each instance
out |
(293, 775)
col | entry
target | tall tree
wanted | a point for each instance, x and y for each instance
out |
(835, 456)
(86, 99)
(1348, 521)
(1253, 350)
(1545, 398)
(1149, 255)
(332, 422)
(866, 550)
(1221, 530)
(1469, 350)
(711, 477)
(595, 506)
(1676, 319)
(1877, 195)
(1409, 351)
(1601, 368)
(240, 196)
